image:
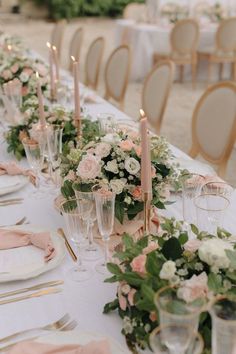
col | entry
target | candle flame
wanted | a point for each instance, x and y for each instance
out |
(9, 47)
(54, 48)
(49, 45)
(142, 113)
(72, 58)
(37, 74)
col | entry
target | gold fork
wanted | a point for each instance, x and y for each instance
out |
(49, 327)
(69, 327)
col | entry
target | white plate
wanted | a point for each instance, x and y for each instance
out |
(79, 337)
(28, 262)
(9, 184)
(194, 166)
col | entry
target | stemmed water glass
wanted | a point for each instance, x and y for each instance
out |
(54, 149)
(219, 188)
(75, 230)
(86, 201)
(35, 156)
(105, 210)
(176, 339)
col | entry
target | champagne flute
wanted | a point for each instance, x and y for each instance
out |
(105, 210)
(75, 229)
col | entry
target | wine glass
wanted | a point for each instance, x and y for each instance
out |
(173, 310)
(210, 211)
(86, 201)
(105, 210)
(75, 230)
(223, 316)
(35, 156)
(219, 188)
(54, 146)
(176, 338)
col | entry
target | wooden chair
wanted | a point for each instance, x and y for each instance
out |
(183, 41)
(155, 94)
(135, 11)
(93, 62)
(75, 45)
(57, 35)
(214, 125)
(117, 74)
(224, 50)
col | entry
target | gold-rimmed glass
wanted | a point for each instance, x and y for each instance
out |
(176, 338)
(210, 211)
(223, 316)
(219, 188)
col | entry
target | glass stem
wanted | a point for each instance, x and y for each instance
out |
(90, 234)
(79, 258)
(106, 241)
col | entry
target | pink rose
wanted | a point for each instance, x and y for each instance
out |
(131, 296)
(151, 247)
(28, 71)
(121, 298)
(137, 193)
(89, 167)
(153, 316)
(14, 68)
(192, 245)
(138, 150)
(194, 288)
(126, 145)
(7, 74)
(138, 264)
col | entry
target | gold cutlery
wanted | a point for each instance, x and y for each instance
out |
(50, 327)
(69, 327)
(68, 246)
(32, 288)
(31, 296)
(11, 200)
(9, 203)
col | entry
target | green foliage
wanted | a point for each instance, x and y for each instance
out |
(72, 8)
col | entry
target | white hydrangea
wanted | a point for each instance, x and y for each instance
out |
(212, 252)
(132, 166)
(168, 270)
(24, 77)
(112, 166)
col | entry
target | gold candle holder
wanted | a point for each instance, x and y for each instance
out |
(147, 197)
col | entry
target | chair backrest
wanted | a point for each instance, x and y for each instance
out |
(214, 124)
(156, 91)
(57, 35)
(135, 11)
(117, 74)
(225, 35)
(75, 45)
(184, 36)
(93, 62)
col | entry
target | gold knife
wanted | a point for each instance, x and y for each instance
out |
(32, 288)
(68, 246)
(31, 296)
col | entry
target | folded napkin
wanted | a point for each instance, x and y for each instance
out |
(101, 347)
(20, 238)
(12, 169)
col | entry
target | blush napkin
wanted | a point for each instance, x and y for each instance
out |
(19, 238)
(12, 169)
(94, 347)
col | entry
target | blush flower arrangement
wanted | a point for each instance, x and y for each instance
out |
(115, 159)
(200, 268)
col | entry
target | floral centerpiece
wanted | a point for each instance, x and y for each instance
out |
(201, 267)
(115, 159)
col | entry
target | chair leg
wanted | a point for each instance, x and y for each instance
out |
(234, 70)
(221, 66)
(193, 151)
(222, 170)
(209, 73)
(181, 73)
(194, 73)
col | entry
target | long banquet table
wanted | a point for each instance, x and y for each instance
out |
(83, 301)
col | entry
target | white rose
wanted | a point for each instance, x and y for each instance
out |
(24, 77)
(111, 138)
(168, 270)
(89, 167)
(132, 166)
(112, 166)
(103, 149)
(212, 252)
(117, 185)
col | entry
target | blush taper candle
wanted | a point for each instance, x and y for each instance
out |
(146, 172)
(41, 106)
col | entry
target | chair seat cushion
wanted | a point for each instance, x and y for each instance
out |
(217, 53)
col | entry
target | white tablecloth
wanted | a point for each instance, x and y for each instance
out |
(146, 39)
(83, 301)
